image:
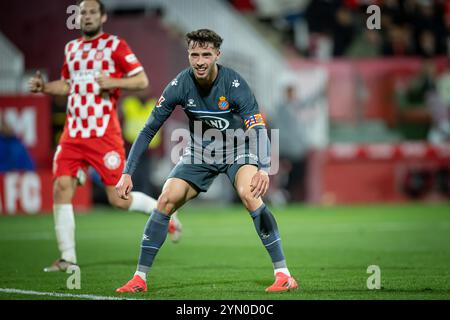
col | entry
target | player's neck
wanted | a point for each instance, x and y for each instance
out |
(88, 38)
(208, 81)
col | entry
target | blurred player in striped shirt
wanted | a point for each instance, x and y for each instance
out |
(96, 67)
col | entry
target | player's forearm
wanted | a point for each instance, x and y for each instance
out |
(136, 82)
(141, 143)
(137, 149)
(56, 88)
(263, 148)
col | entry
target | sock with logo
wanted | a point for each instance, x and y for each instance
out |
(65, 231)
(155, 234)
(267, 229)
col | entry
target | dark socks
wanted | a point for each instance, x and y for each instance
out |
(155, 234)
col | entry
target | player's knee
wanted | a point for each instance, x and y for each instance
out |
(62, 188)
(116, 202)
(165, 203)
(250, 202)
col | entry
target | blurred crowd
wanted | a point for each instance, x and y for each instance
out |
(337, 28)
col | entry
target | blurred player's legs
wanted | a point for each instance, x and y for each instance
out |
(266, 227)
(175, 193)
(63, 191)
(141, 202)
(68, 161)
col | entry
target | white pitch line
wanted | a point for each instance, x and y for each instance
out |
(61, 295)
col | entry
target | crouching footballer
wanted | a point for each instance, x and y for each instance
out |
(217, 98)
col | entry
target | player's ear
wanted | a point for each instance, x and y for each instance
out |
(218, 54)
(104, 18)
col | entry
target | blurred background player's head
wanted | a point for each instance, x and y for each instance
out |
(204, 52)
(290, 93)
(92, 17)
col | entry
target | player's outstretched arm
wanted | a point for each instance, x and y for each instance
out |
(57, 88)
(136, 82)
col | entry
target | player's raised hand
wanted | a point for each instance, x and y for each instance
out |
(106, 82)
(124, 186)
(36, 84)
(259, 184)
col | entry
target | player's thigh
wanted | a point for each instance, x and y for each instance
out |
(66, 162)
(175, 193)
(68, 158)
(107, 157)
(242, 181)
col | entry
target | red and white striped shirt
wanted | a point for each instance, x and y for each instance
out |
(91, 112)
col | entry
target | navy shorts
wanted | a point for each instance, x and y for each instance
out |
(201, 176)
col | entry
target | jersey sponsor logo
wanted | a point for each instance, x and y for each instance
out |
(130, 58)
(160, 101)
(112, 160)
(99, 55)
(216, 122)
(223, 103)
(235, 83)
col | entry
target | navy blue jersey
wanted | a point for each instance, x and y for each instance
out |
(226, 106)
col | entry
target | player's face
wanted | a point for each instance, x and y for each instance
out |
(91, 19)
(203, 60)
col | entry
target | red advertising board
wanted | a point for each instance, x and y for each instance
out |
(29, 117)
(370, 173)
(30, 192)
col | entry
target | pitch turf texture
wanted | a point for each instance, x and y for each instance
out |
(328, 249)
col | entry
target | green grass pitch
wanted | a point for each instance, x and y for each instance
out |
(328, 249)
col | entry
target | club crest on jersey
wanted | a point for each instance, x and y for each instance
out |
(98, 55)
(112, 160)
(223, 103)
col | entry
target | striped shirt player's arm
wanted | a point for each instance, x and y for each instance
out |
(125, 60)
(247, 106)
(134, 77)
(163, 109)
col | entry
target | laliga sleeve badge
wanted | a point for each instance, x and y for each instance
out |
(112, 160)
(223, 103)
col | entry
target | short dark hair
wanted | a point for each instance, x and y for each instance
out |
(100, 3)
(204, 36)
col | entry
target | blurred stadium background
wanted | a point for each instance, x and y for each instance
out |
(364, 115)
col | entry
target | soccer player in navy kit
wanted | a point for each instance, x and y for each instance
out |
(218, 99)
